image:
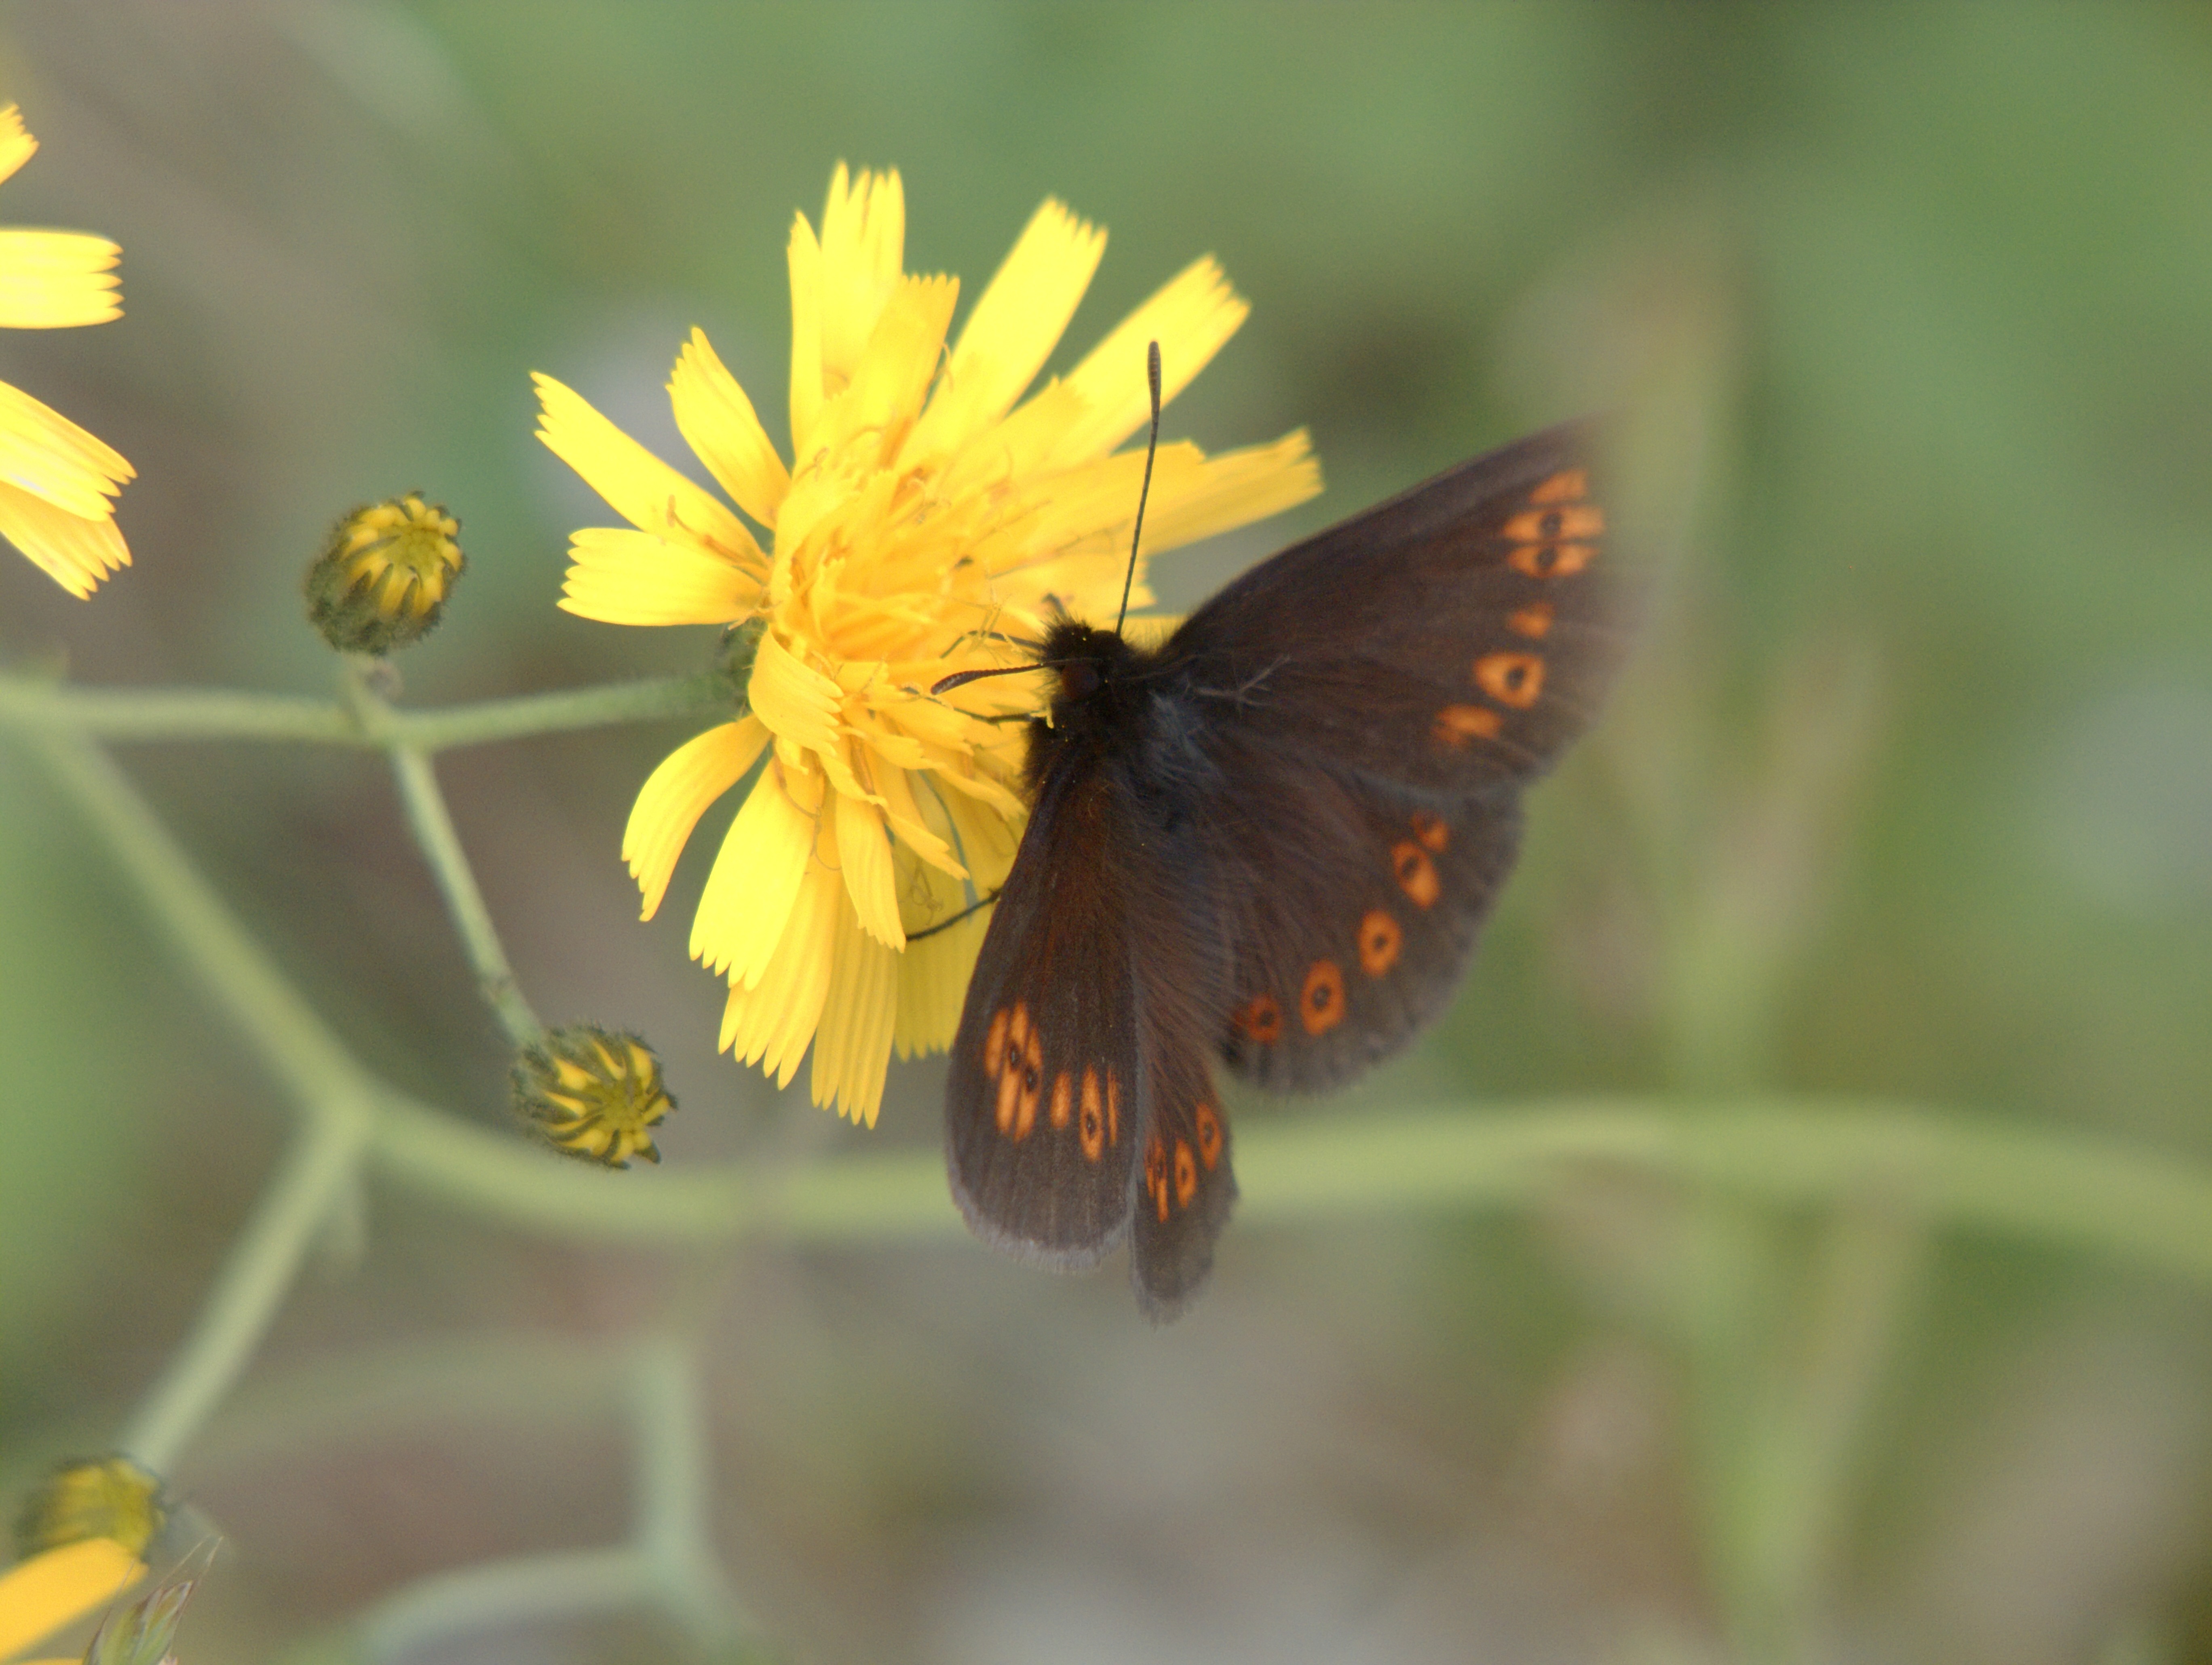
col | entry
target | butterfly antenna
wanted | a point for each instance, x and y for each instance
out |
(1152, 447)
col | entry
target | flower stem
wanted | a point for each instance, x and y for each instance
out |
(535, 1588)
(457, 882)
(675, 1462)
(323, 1162)
(2061, 1190)
(336, 1096)
(31, 703)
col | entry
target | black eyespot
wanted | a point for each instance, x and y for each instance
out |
(1078, 680)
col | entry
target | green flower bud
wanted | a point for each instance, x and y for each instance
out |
(592, 1094)
(384, 574)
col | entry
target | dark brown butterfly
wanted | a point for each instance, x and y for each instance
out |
(1272, 841)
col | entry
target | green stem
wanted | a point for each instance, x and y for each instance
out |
(256, 1275)
(337, 1097)
(457, 881)
(33, 705)
(675, 1466)
(2061, 1190)
(532, 1589)
(269, 1012)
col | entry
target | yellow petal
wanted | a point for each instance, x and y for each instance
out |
(933, 985)
(805, 259)
(16, 147)
(986, 836)
(773, 1023)
(54, 279)
(911, 822)
(622, 576)
(852, 1047)
(893, 372)
(676, 794)
(76, 553)
(864, 849)
(637, 485)
(793, 698)
(748, 895)
(1191, 316)
(719, 422)
(1233, 489)
(1015, 324)
(44, 453)
(863, 243)
(41, 1596)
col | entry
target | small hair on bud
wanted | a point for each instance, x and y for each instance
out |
(592, 1094)
(384, 575)
(109, 1496)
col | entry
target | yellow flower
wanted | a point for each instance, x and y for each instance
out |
(928, 523)
(40, 1595)
(56, 481)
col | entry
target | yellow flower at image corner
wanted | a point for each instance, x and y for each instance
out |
(39, 1596)
(57, 481)
(932, 520)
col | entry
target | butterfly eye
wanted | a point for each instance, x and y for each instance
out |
(1078, 680)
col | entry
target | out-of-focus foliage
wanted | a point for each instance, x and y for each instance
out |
(1906, 316)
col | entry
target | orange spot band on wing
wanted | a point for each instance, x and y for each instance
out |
(1430, 831)
(1063, 1096)
(1568, 485)
(1186, 1174)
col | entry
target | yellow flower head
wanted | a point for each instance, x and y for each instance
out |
(57, 481)
(928, 523)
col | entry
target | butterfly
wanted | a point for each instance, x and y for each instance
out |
(1271, 841)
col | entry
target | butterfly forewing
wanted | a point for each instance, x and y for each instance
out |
(1043, 1106)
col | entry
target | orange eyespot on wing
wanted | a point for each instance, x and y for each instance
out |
(1552, 561)
(1321, 1002)
(1381, 940)
(1063, 1093)
(1415, 873)
(1209, 1136)
(1186, 1174)
(1568, 485)
(1090, 1123)
(1260, 1018)
(1510, 679)
(1433, 832)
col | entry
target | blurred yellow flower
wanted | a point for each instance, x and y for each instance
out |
(56, 481)
(40, 1595)
(928, 525)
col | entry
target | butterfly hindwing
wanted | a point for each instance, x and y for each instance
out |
(1384, 690)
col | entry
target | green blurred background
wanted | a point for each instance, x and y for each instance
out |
(1906, 313)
